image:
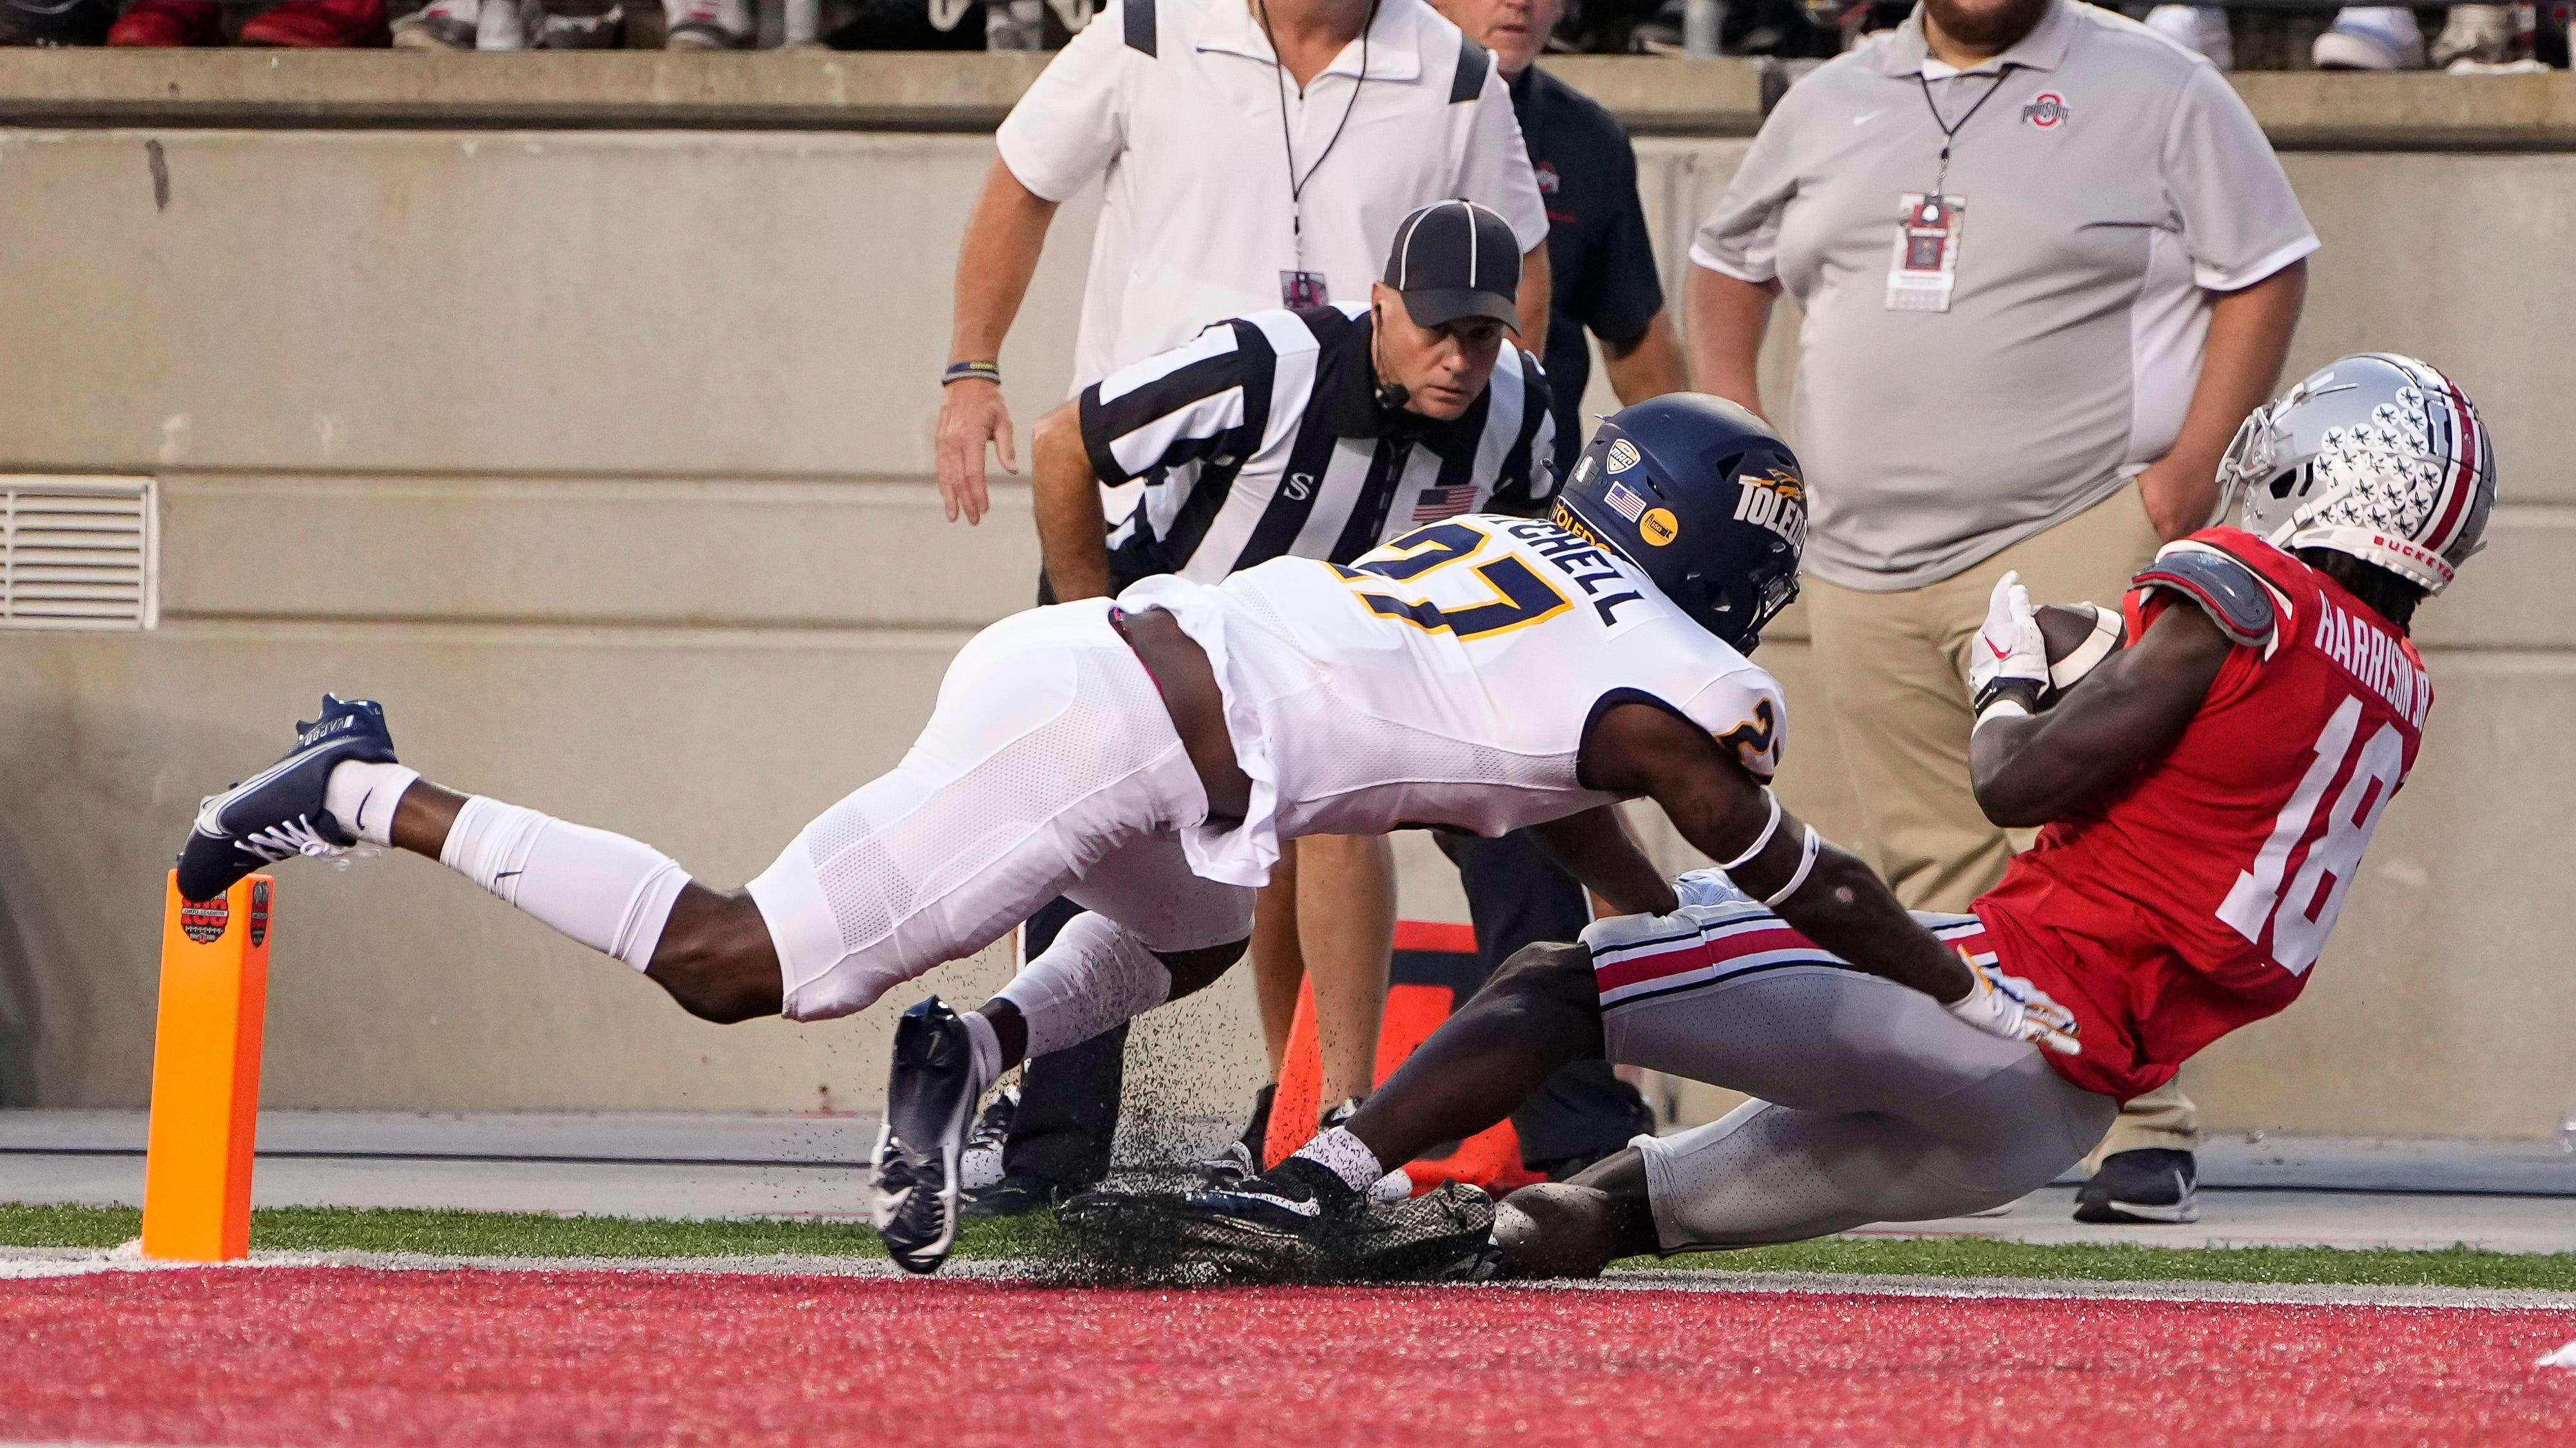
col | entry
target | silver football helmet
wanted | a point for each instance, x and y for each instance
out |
(2376, 455)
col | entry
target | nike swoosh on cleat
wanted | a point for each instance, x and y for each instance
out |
(293, 757)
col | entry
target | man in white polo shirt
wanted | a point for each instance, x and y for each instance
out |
(1258, 154)
(2048, 263)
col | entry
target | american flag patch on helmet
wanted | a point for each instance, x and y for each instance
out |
(1625, 502)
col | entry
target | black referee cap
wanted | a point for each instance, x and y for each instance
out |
(1455, 259)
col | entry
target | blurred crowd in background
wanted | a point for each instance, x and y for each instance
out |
(2275, 35)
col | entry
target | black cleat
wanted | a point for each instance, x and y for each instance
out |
(1291, 1223)
(1012, 1196)
(1444, 1235)
(981, 1166)
(1240, 1159)
(1125, 1232)
(930, 1102)
(2150, 1184)
(278, 812)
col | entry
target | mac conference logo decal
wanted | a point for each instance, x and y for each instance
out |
(203, 921)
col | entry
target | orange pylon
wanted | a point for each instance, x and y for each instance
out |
(1490, 1158)
(205, 1073)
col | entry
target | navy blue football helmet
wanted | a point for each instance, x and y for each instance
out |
(1705, 499)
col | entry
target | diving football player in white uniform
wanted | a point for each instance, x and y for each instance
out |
(1146, 757)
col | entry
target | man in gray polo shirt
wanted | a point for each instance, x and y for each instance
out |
(2048, 263)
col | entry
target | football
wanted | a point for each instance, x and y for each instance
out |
(2067, 629)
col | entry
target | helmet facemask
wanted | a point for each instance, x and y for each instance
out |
(2377, 457)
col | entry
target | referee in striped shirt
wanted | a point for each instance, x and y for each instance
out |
(1315, 433)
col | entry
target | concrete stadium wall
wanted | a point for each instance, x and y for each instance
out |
(599, 455)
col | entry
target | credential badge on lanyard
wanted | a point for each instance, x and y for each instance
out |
(1924, 268)
(1925, 264)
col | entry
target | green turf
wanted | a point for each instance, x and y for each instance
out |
(515, 1234)
(511, 1234)
(1982, 1257)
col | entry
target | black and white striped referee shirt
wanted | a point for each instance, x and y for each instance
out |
(1262, 437)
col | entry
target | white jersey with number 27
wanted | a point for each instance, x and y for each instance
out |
(1448, 678)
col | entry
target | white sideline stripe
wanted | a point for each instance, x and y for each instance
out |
(2052, 1289)
(26, 1263)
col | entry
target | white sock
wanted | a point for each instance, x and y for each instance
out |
(1094, 977)
(610, 893)
(362, 796)
(988, 1049)
(1345, 1156)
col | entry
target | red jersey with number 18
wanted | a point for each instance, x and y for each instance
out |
(2195, 900)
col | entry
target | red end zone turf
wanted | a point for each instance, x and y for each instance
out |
(352, 1356)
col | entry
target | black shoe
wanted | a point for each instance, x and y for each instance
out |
(930, 1100)
(1444, 1235)
(981, 1164)
(1287, 1224)
(1241, 1159)
(1012, 1196)
(278, 812)
(2151, 1184)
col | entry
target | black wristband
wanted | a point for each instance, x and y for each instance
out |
(972, 372)
(2024, 692)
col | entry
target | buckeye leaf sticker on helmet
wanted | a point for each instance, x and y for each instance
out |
(2375, 455)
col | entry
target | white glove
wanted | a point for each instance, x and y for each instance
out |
(1707, 887)
(2011, 1007)
(2008, 664)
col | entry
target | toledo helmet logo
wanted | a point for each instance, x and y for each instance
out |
(2046, 110)
(1659, 526)
(259, 912)
(1777, 501)
(203, 921)
(1623, 455)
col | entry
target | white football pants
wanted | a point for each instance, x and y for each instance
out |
(1049, 767)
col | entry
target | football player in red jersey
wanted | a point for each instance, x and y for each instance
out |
(2208, 791)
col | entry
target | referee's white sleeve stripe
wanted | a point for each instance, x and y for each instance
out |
(1216, 341)
(1141, 449)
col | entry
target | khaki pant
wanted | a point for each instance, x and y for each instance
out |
(1895, 669)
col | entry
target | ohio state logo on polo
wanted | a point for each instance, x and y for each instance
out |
(203, 921)
(2046, 109)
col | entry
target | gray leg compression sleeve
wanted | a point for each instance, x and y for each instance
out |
(1874, 1104)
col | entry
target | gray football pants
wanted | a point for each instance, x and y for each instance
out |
(1872, 1104)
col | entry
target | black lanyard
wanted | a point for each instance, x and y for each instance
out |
(1950, 132)
(1288, 143)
